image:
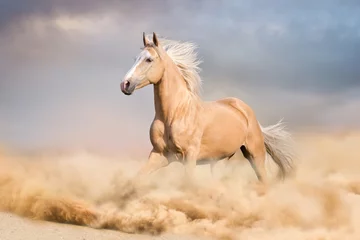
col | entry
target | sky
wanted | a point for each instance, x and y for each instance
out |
(62, 62)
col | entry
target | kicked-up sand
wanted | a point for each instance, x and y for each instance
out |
(321, 201)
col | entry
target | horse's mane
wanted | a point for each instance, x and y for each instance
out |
(185, 57)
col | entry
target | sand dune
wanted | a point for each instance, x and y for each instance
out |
(320, 202)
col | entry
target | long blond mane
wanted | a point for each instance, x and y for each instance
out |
(185, 57)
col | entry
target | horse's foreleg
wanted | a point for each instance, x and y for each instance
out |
(190, 163)
(155, 161)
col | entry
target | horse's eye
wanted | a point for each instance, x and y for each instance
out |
(149, 60)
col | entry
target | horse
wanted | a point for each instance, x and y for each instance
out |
(190, 130)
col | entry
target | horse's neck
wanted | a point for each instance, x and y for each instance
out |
(172, 98)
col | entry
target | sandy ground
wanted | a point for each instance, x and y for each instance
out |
(321, 201)
(13, 227)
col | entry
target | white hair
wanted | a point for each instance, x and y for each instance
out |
(279, 145)
(185, 57)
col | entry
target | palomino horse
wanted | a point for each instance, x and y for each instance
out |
(190, 130)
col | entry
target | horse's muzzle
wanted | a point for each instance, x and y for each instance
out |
(126, 87)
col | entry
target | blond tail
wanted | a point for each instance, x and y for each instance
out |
(278, 145)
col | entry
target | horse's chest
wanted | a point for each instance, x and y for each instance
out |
(175, 142)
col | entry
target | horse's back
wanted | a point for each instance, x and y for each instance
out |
(242, 108)
(237, 105)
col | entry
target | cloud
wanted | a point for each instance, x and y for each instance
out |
(62, 62)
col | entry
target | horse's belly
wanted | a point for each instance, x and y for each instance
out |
(219, 149)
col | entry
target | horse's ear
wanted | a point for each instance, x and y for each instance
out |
(155, 39)
(145, 40)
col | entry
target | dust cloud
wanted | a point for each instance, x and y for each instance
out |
(320, 202)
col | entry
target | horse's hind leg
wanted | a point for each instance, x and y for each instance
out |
(212, 165)
(213, 162)
(257, 161)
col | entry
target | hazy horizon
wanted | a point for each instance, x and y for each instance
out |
(62, 63)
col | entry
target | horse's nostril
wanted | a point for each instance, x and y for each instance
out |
(127, 84)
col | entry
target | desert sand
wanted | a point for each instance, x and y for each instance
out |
(13, 227)
(49, 195)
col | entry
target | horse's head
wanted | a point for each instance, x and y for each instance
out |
(147, 69)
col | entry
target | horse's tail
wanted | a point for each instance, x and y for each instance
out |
(278, 145)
